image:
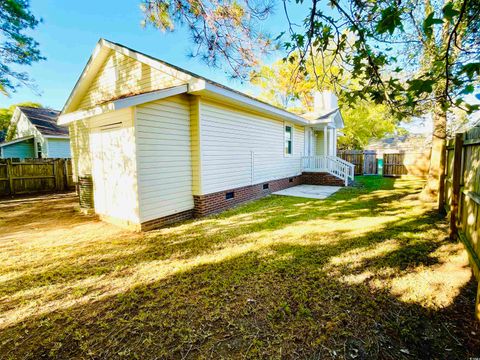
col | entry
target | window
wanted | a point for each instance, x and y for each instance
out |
(290, 180)
(39, 150)
(288, 140)
(265, 186)
(229, 195)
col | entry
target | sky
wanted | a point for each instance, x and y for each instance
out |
(71, 29)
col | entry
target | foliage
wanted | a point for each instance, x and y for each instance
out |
(365, 121)
(7, 113)
(368, 273)
(405, 54)
(16, 47)
(217, 27)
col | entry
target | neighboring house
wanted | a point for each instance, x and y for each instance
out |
(36, 135)
(162, 144)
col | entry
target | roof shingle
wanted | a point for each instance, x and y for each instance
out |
(45, 120)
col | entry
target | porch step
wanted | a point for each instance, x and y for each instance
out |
(321, 178)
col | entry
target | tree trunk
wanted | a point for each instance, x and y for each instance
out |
(436, 174)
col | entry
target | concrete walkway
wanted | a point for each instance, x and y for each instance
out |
(309, 191)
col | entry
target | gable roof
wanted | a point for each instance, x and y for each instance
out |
(45, 120)
(195, 84)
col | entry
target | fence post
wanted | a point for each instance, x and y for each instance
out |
(10, 176)
(456, 176)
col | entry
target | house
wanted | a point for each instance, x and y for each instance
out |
(36, 135)
(161, 144)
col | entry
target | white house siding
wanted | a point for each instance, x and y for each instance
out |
(112, 163)
(121, 75)
(58, 148)
(80, 148)
(24, 127)
(164, 157)
(240, 148)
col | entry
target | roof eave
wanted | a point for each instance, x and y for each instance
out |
(16, 140)
(208, 90)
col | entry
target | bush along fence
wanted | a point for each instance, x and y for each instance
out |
(29, 176)
(462, 196)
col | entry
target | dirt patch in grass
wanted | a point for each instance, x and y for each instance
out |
(367, 273)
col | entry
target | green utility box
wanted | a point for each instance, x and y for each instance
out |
(380, 166)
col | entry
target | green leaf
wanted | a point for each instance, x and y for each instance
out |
(419, 86)
(428, 24)
(390, 19)
(468, 89)
(449, 12)
(471, 69)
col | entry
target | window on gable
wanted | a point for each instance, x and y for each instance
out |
(288, 140)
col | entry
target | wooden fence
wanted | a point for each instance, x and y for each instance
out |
(406, 163)
(462, 196)
(35, 176)
(355, 157)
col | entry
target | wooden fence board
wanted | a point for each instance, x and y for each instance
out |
(34, 175)
(355, 157)
(406, 163)
(462, 185)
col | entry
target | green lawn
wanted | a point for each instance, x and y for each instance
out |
(367, 273)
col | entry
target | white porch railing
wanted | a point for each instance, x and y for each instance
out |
(330, 164)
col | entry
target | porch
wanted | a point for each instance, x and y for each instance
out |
(321, 153)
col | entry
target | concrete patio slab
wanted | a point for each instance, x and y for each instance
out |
(309, 191)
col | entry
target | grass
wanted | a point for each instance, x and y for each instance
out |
(367, 273)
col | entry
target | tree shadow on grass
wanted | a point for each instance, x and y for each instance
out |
(278, 303)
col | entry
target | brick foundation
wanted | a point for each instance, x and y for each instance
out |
(319, 178)
(216, 202)
(166, 220)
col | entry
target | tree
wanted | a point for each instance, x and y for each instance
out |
(16, 47)
(6, 115)
(366, 121)
(415, 56)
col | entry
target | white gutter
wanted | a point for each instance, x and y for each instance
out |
(56, 136)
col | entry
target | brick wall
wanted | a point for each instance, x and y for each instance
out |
(166, 220)
(216, 202)
(317, 178)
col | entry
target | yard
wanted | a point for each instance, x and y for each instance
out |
(367, 273)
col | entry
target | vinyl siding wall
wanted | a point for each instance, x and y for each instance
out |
(22, 150)
(24, 127)
(58, 148)
(164, 157)
(122, 75)
(239, 148)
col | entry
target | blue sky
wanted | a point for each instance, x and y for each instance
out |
(71, 29)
